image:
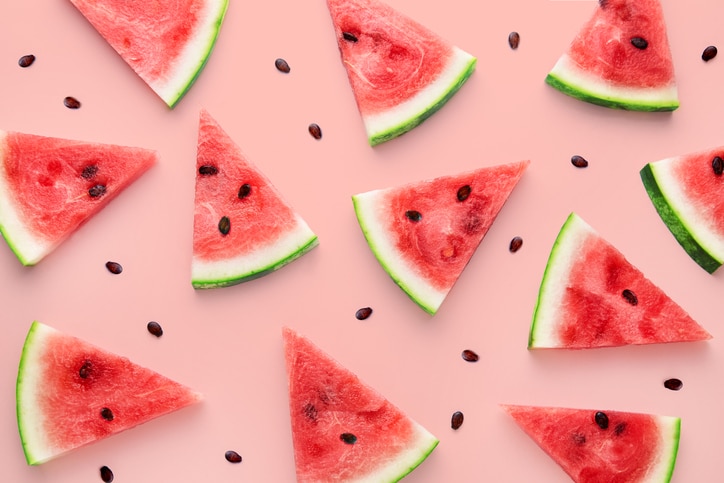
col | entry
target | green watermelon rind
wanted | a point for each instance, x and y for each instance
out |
(681, 217)
(389, 124)
(420, 448)
(570, 79)
(34, 448)
(672, 426)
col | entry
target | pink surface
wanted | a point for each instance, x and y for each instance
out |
(227, 344)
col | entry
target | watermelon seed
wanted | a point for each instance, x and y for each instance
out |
(413, 215)
(282, 66)
(603, 3)
(709, 53)
(244, 191)
(639, 42)
(26, 60)
(457, 420)
(363, 313)
(717, 164)
(89, 171)
(630, 297)
(97, 191)
(310, 411)
(106, 474)
(515, 244)
(71, 102)
(232, 456)
(470, 356)
(84, 370)
(464, 192)
(673, 384)
(348, 438)
(579, 161)
(514, 40)
(349, 37)
(620, 427)
(224, 225)
(315, 131)
(601, 420)
(155, 328)
(107, 414)
(114, 267)
(208, 169)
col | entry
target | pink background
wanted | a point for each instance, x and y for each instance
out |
(226, 343)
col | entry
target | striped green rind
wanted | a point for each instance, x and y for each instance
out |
(24, 372)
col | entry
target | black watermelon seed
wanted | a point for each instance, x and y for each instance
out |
(709, 53)
(106, 474)
(89, 171)
(71, 102)
(639, 43)
(107, 414)
(630, 297)
(85, 369)
(515, 244)
(601, 420)
(717, 164)
(26, 60)
(315, 131)
(363, 313)
(114, 267)
(413, 215)
(470, 356)
(464, 192)
(224, 225)
(155, 328)
(673, 384)
(457, 420)
(244, 191)
(350, 37)
(97, 191)
(514, 40)
(603, 3)
(232, 456)
(579, 161)
(348, 438)
(620, 428)
(208, 170)
(282, 66)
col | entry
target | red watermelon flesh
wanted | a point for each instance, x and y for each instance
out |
(594, 446)
(50, 186)
(342, 429)
(64, 385)
(426, 256)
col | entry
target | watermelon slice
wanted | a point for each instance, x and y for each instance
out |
(399, 70)
(603, 446)
(71, 393)
(243, 228)
(620, 59)
(591, 296)
(424, 233)
(686, 191)
(50, 186)
(166, 42)
(342, 429)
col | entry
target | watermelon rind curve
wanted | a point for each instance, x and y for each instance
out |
(685, 221)
(31, 435)
(573, 81)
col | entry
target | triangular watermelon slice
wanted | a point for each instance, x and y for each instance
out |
(687, 192)
(342, 429)
(50, 186)
(424, 233)
(603, 446)
(243, 228)
(620, 58)
(400, 71)
(71, 393)
(591, 296)
(166, 42)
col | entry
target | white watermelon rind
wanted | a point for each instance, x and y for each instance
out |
(694, 232)
(263, 260)
(569, 78)
(409, 114)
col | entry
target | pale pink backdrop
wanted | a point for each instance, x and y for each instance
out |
(226, 343)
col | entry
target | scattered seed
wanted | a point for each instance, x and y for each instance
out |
(673, 384)
(310, 411)
(155, 328)
(457, 420)
(717, 164)
(601, 420)
(282, 66)
(639, 42)
(349, 37)
(579, 161)
(232, 456)
(620, 427)
(106, 474)
(89, 171)
(348, 438)
(71, 102)
(470, 356)
(244, 191)
(107, 414)
(363, 313)
(514, 40)
(208, 170)
(709, 53)
(413, 215)
(224, 225)
(315, 131)
(464, 192)
(630, 297)
(85, 369)
(97, 191)
(26, 60)
(114, 267)
(515, 244)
